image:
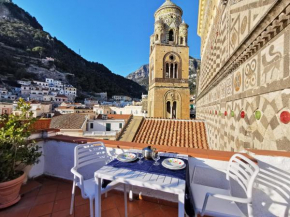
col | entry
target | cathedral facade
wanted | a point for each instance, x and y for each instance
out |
(244, 81)
(168, 95)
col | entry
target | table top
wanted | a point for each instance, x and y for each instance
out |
(144, 179)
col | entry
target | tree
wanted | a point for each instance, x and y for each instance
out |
(39, 50)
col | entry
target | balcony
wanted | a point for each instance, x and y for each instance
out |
(48, 193)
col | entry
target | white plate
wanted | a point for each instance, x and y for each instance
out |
(127, 157)
(173, 168)
(174, 162)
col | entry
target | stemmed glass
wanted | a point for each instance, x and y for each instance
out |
(140, 156)
(156, 157)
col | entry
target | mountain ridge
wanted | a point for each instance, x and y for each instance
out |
(26, 46)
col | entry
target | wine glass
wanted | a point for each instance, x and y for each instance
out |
(140, 156)
(156, 157)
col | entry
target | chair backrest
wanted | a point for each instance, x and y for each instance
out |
(244, 171)
(90, 153)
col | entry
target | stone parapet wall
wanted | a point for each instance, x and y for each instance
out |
(247, 98)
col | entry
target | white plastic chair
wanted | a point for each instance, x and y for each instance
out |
(213, 201)
(85, 155)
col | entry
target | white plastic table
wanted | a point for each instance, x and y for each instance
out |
(140, 179)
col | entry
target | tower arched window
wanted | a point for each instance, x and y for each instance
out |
(172, 66)
(171, 35)
(168, 110)
(181, 40)
(175, 71)
(167, 71)
(156, 37)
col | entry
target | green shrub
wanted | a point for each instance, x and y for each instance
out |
(16, 150)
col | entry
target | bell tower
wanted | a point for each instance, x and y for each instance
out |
(168, 95)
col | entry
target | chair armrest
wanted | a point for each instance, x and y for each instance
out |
(224, 197)
(81, 178)
(77, 174)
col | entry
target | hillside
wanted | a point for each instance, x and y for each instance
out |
(25, 46)
(141, 76)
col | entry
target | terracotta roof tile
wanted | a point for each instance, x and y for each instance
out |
(172, 133)
(68, 121)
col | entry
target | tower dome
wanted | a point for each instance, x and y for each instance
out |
(168, 4)
(168, 7)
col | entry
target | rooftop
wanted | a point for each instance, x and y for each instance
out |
(176, 133)
(68, 121)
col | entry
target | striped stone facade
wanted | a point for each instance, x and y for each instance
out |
(244, 81)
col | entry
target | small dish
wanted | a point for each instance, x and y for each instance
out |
(173, 163)
(127, 157)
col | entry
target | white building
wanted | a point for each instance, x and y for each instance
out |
(4, 94)
(41, 83)
(65, 109)
(25, 90)
(23, 82)
(49, 98)
(53, 83)
(102, 96)
(60, 98)
(38, 109)
(6, 108)
(106, 126)
(121, 98)
(37, 93)
(91, 102)
(70, 91)
(102, 109)
(3, 91)
(127, 110)
(49, 80)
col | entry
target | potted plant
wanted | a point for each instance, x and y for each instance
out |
(16, 152)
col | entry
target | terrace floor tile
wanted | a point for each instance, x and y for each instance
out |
(40, 210)
(49, 202)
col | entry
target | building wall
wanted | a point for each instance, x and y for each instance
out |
(100, 125)
(245, 71)
(127, 110)
(6, 108)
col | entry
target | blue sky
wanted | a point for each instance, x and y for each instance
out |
(112, 32)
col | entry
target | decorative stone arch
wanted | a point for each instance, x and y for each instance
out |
(172, 104)
(177, 61)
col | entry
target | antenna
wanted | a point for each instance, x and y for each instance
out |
(79, 51)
